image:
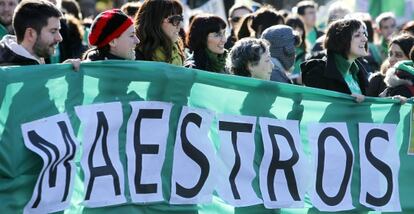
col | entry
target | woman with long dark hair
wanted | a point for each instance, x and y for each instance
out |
(346, 41)
(206, 39)
(157, 25)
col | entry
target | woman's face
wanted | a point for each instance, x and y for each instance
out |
(216, 41)
(396, 54)
(263, 69)
(124, 45)
(358, 44)
(171, 27)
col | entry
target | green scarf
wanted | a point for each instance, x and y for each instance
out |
(160, 56)
(312, 36)
(216, 61)
(350, 73)
(300, 52)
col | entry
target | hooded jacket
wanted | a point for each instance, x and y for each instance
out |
(400, 80)
(12, 53)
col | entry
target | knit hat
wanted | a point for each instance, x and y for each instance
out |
(405, 69)
(282, 44)
(107, 26)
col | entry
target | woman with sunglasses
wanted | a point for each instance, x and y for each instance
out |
(206, 39)
(158, 24)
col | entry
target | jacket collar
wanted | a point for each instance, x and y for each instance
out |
(332, 72)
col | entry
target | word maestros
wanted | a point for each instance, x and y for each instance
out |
(285, 172)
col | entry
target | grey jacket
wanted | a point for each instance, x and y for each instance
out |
(278, 72)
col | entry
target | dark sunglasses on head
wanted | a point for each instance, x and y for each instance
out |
(175, 20)
(235, 19)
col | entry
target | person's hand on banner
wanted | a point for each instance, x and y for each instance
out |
(402, 99)
(75, 63)
(359, 98)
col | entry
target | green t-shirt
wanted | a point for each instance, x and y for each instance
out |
(298, 60)
(3, 31)
(312, 36)
(350, 73)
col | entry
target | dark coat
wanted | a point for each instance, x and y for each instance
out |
(376, 85)
(323, 73)
(403, 90)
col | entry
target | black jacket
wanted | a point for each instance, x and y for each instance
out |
(376, 85)
(8, 56)
(323, 73)
(95, 55)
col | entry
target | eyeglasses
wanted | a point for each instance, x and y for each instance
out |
(218, 34)
(235, 19)
(175, 20)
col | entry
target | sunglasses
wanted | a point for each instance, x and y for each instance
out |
(175, 20)
(235, 19)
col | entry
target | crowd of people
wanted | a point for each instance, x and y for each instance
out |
(355, 54)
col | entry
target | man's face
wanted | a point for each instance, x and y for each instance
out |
(6, 11)
(309, 17)
(388, 27)
(236, 17)
(48, 38)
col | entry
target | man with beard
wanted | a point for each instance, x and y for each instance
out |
(6, 15)
(36, 25)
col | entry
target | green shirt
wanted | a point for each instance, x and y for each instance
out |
(312, 36)
(3, 31)
(349, 71)
(384, 48)
(298, 60)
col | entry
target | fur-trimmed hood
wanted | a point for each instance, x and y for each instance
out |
(401, 73)
(392, 80)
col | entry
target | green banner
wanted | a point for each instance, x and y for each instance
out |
(376, 7)
(92, 141)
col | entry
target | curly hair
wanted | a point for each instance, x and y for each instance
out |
(245, 51)
(148, 27)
